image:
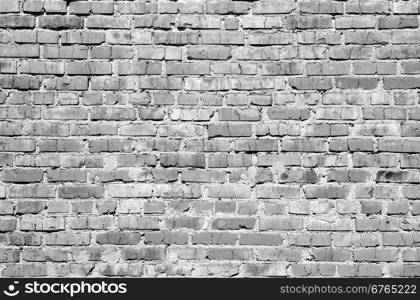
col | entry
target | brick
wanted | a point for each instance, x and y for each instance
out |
(143, 253)
(260, 239)
(28, 270)
(118, 238)
(166, 237)
(233, 223)
(8, 224)
(90, 68)
(71, 52)
(405, 8)
(355, 22)
(308, 22)
(176, 38)
(9, 6)
(80, 191)
(222, 38)
(371, 7)
(321, 7)
(272, 7)
(280, 223)
(227, 7)
(83, 8)
(201, 68)
(17, 21)
(22, 175)
(60, 22)
(32, 191)
(185, 222)
(134, 222)
(310, 83)
(367, 37)
(229, 191)
(214, 238)
(208, 52)
(156, 21)
(277, 191)
(82, 37)
(329, 192)
(328, 69)
(350, 52)
(270, 39)
(397, 22)
(111, 52)
(37, 67)
(19, 51)
(108, 22)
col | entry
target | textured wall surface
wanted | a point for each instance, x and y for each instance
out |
(209, 138)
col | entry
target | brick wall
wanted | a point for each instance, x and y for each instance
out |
(209, 138)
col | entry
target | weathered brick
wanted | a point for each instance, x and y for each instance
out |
(368, 7)
(280, 223)
(60, 22)
(23, 175)
(118, 238)
(273, 7)
(310, 83)
(17, 21)
(9, 6)
(233, 223)
(227, 7)
(208, 52)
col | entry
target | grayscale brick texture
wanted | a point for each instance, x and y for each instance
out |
(209, 138)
